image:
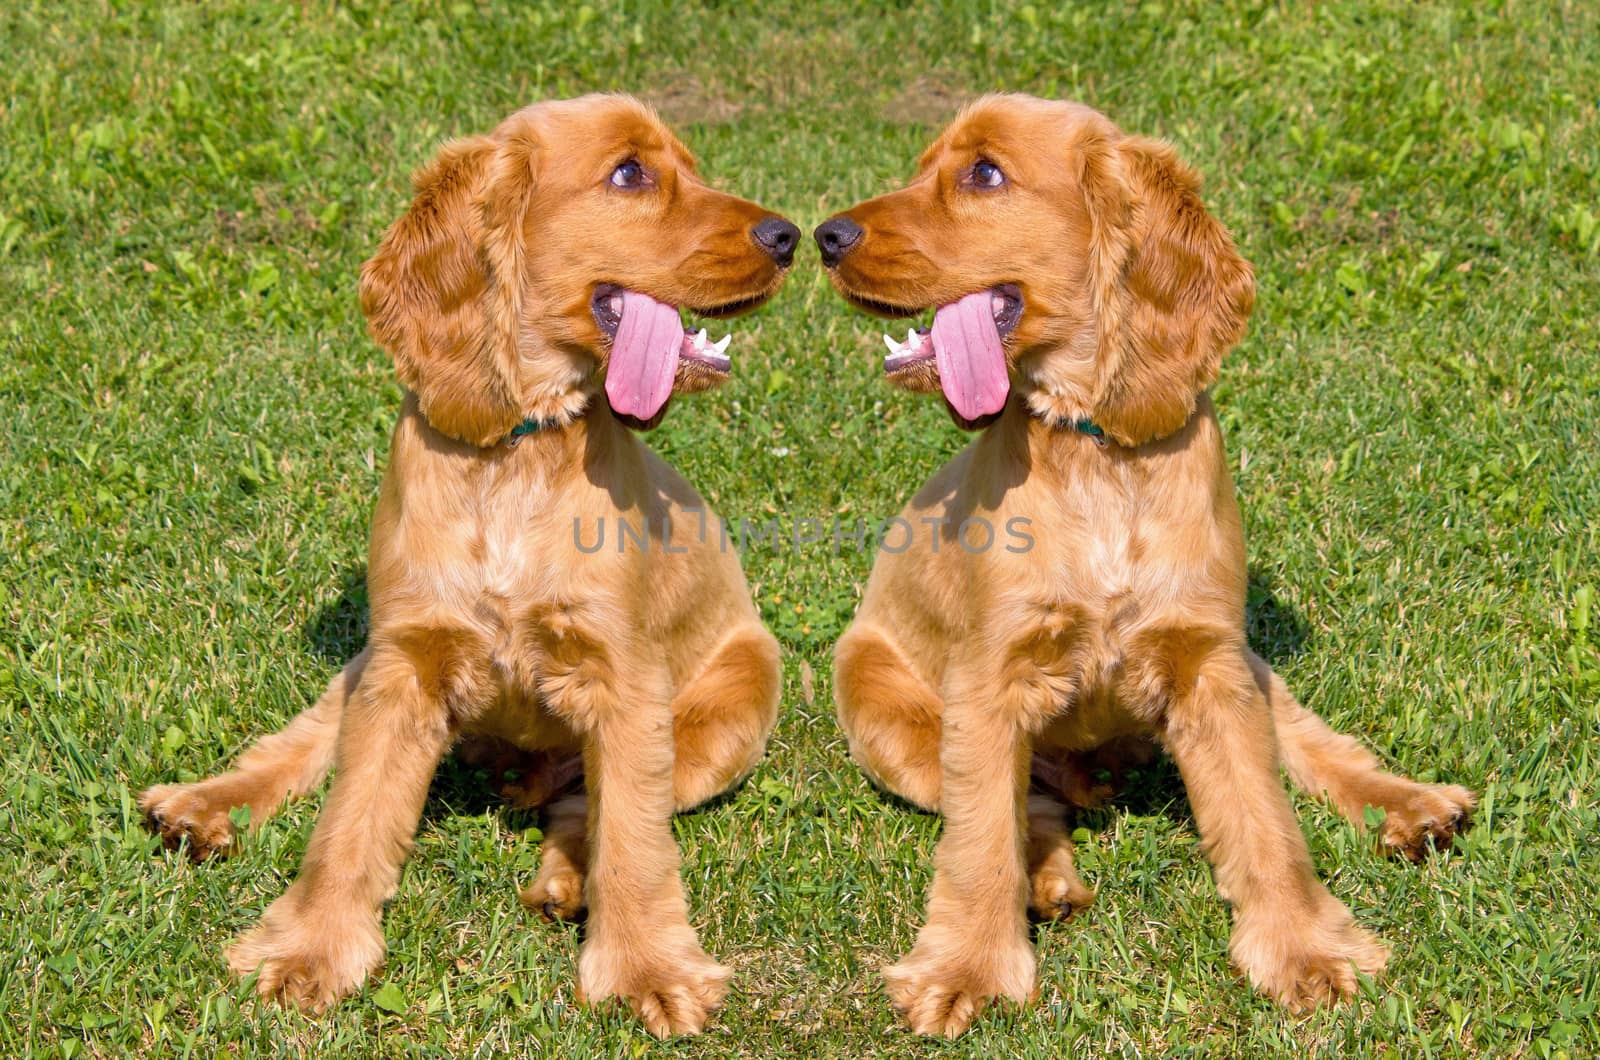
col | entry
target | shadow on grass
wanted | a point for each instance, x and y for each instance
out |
(339, 629)
(1273, 628)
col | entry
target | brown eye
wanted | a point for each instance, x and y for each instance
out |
(985, 174)
(628, 175)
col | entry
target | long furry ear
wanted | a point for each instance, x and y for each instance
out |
(443, 293)
(1172, 295)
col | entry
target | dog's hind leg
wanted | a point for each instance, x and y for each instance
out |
(1055, 891)
(557, 891)
(285, 765)
(541, 776)
(722, 716)
(1333, 766)
(890, 715)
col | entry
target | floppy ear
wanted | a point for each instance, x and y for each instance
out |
(443, 293)
(1171, 293)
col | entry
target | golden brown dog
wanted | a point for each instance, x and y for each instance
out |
(533, 264)
(1077, 575)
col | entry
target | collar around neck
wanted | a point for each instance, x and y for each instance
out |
(1082, 425)
(531, 425)
(539, 424)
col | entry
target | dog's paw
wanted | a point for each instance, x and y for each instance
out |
(1071, 777)
(557, 893)
(543, 779)
(307, 965)
(180, 813)
(1056, 895)
(1309, 961)
(674, 991)
(940, 989)
(1430, 819)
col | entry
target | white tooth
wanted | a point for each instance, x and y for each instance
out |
(699, 339)
(912, 339)
(723, 345)
(894, 347)
(997, 304)
(615, 302)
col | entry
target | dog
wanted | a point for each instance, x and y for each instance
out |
(529, 299)
(1085, 299)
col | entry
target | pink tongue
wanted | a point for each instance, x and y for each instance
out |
(644, 356)
(972, 366)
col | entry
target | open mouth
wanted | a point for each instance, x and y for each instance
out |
(649, 344)
(612, 303)
(965, 345)
(1005, 308)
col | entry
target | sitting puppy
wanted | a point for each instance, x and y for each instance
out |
(1084, 298)
(534, 263)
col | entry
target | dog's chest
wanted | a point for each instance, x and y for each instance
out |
(1104, 582)
(508, 563)
(1101, 600)
(513, 540)
(515, 573)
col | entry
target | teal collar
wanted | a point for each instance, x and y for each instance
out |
(1084, 426)
(535, 425)
(528, 426)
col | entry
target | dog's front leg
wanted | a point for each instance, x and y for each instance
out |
(974, 946)
(321, 939)
(639, 945)
(1293, 939)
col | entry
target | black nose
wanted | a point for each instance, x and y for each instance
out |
(778, 238)
(835, 237)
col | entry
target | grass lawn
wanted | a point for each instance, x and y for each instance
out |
(193, 425)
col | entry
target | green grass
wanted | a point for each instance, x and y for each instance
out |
(194, 425)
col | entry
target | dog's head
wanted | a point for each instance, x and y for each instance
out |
(555, 252)
(1061, 256)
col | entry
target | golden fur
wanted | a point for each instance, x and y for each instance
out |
(965, 672)
(647, 666)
